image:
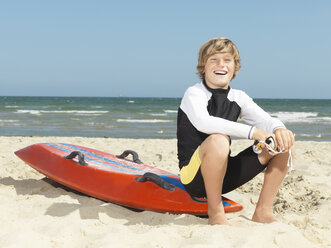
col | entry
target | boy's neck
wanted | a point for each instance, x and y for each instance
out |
(217, 90)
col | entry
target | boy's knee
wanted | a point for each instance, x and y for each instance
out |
(220, 141)
(216, 145)
(264, 157)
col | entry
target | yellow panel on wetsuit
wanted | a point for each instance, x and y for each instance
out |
(188, 172)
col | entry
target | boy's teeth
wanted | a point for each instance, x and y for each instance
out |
(220, 72)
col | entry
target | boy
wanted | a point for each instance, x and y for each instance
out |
(207, 117)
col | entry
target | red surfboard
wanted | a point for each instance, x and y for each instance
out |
(116, 179)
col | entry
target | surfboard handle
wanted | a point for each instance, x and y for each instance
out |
(81, 158)
(135, 157)
(149, 176)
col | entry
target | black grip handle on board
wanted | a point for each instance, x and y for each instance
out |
(149, 176)
(81, 158)
(135, 157)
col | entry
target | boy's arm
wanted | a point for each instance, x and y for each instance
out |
(265, 124)
(254, 115)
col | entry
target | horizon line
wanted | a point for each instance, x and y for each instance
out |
(273, 98)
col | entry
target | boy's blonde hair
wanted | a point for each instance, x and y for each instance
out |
(217, 45)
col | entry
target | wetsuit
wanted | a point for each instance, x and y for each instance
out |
(204, 111)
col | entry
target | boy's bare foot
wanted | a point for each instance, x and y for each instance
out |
(263, 217)
(218, 218)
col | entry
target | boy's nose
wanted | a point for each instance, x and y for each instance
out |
(221, 62)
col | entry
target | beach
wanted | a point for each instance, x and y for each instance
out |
(35, 210)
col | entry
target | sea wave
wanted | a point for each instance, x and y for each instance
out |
(158, 114)
(143, 120)
(12, 123)
(79, 112)
(98, 125)
(12, 106)
(170, 111)
(8, 121)
(300, 117)
(311, 135)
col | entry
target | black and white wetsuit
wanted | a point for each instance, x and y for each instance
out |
(204, 111)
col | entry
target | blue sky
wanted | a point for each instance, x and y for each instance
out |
(149, 48)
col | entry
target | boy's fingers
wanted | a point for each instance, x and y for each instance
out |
(290, 140)
(285, 139)
(281, 140)
(280, 143)
(275, 141)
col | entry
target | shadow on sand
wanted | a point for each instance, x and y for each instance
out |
(90, 207)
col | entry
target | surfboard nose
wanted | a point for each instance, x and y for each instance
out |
(20, 153)
(29, 153)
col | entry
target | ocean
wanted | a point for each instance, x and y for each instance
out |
(130, 117)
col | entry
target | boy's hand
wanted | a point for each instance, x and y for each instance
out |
(284, 139)
(260, 134)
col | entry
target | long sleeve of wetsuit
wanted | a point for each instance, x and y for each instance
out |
(194, 105)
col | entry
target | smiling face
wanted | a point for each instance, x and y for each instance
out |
(218, 62)
(219, 70)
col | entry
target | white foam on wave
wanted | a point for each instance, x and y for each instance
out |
(98, 125)
(142, 121)
(311, 135)
(8, 121)
(4, 123)
(170, 111)
(300, 117)
(158, 114)
(79, 112)
(32, 112)
(88, 114)
(12, 106)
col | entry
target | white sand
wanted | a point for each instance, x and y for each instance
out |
(36, 211)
